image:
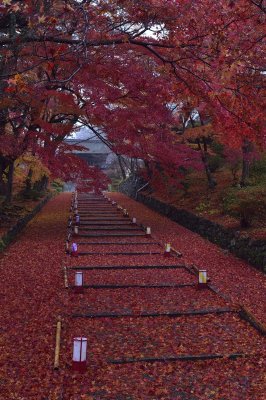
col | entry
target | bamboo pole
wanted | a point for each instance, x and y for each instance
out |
(250, 317)
(65, 277)
(57, 343)
(177, 253)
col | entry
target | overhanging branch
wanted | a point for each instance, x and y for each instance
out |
(89, 43)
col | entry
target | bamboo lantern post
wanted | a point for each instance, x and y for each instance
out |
(57, 343)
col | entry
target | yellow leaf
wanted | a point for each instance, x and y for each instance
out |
(41, 19)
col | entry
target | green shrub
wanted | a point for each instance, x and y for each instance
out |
(247, 204)
(218, 148)
(258, 171)
(2, 245)
(216, 162)
(202, 207)
(250, 210)
(229, 200)
(185, 185)
(57, 185)
(33, 195)
(114, 187)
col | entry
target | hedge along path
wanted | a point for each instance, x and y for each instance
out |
(128, 325)
(233, 277)
(32, 298)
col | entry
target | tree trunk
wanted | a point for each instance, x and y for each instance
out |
(3, 185)
(41, 185)
(246, 150)
(28, 182)
(121, 166)
(6, 188)
(148, 169)
(44, 183)
(133, 165)
(204, 157)
(10, 176)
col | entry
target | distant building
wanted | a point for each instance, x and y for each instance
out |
(96, 152)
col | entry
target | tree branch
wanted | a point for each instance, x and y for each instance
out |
(89, 43)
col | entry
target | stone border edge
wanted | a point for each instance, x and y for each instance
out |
(251, 250)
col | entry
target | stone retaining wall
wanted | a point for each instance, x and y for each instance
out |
(244, 247)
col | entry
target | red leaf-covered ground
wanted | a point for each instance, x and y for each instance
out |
(234, 277)
(33, 296)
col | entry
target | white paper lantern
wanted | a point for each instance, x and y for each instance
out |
(202, 277)
(134, 220)
(79, 278)
(79, 359)
(76, 230)
(148, 231)
(167, 249)
(74, 248)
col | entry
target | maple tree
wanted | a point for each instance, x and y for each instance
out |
(192, 128)
(97, 61)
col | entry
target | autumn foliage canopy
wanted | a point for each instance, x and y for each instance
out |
(131, 69)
